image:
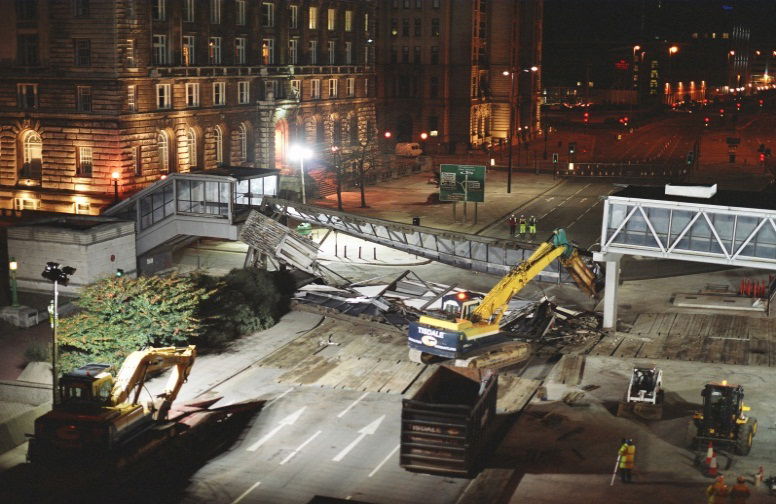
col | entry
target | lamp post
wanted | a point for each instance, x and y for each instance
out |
(12, 265)
(115, 176)
(511, 129)
(58, 276)
(671, 51)
(301, 153)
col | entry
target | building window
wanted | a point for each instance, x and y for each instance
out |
(315, 89)
(80, 8)
(366, 21)
(219, 93)
(416, 55)
(434, 55)
(163, 151)
(132, 98)
(191, 147)
(394, 55)
(83, 166)
(394, 27)
(239, 50)
(332, 88)
(405, 54)
(160, 49)
(267, 14)
(348, 53)
(130, 52)
(332, 51)
(163, 98)
(348, 20)
(188, 10)
(83, 52)
(242, 142)
(218, 141)
(268, 51)
(82, 208)
(435, 4)
(84, 98)
(331, 19)
(214, 50)
(406, 4)
(189, 50)
(240, 12)
(26, 10)
(435, 27)
(418, 27)
(192, 94)
(215, 11)
(418, 4)
(293, 16)
(405, 27)
(159, 10)
(313, 21)
(350, 87)
(353, 129)
(27, 50)
(243, 92)
(366, 54)
(137, 160)
(295, 89)
(270, 89)
(32, 156)
(313, 52)
(434, 87)
(293, 51)
(26, 204)
(27, 96)
(366, 86)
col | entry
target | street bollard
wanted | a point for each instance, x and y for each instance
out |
(359, 251)
(335, 250)
(374, 250)
(345, 253)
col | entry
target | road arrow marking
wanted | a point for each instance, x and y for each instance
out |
(366, 431)
(289, 420)
(242, 495)
(278, 397)
(383, 462)
(344, 412)
(299, 448)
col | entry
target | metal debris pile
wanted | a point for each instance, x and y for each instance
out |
(573, 327)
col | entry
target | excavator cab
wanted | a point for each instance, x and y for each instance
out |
(90, 384)
(723, 419)
(460, 305)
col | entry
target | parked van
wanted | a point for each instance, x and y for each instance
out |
(408, 149)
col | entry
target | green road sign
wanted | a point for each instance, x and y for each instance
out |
(462, 183)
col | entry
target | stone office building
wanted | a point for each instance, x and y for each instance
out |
(441, 65)
(100, 98)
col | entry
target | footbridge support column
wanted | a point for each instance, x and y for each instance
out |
(610, 290)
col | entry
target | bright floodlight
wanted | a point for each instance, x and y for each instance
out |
(299, 152)
(505, 73)
(534, 68)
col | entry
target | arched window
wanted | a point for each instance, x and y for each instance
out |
(163, 149)
(336, 132)
(353, 130)
(218, 139)
(32, 155)
(242, 139)
(320, 133)
(191, 145)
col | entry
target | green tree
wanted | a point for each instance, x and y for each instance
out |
(120, 315)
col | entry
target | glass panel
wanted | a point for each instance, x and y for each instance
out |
(184, 195)
(270, 186)
(243, 187)
(197, 204)
(679, 221)
(765, 242)
(723, 224)
(659, 218)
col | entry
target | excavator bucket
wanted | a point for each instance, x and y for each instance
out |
(582, 275)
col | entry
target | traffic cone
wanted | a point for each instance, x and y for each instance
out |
(713, 465)
(709, 454)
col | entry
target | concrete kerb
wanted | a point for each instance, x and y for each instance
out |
(13, 432)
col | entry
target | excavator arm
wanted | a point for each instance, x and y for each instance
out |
(139, 364)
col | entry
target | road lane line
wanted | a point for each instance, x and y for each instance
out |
(278, 397)
(299, 448)
(364, 432)
(242, 495)
(383, 462)
(345, 411)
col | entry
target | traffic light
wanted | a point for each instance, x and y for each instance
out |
(722, 112)
(555, 158)
(119, 272)
(572, 148)
(690, 157)
(760, 102)
(586, 117)
(738, 106)
(706, 121)
(762, 157)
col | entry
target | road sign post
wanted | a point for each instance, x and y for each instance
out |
(464, 183)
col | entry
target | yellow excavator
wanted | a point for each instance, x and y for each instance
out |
(468, 329)
(99, 415)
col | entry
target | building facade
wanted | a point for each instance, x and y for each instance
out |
(99, 98)
(442, 65)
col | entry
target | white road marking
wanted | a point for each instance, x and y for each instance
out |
(583, 200)
(242, 495)
(299, 448)
(345, 411)
(366, 431)
(383, 462)
(289, 420)
(278, 397)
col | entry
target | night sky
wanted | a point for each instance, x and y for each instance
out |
(584, 37)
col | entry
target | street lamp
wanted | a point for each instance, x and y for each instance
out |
(511, 129)
(300, 152)
(12, 266)
(671, 51)
(58, 276)
(115, 176)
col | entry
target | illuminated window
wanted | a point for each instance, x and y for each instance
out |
(191, 147)
(348, 20)
(315, 89)
(313, 15)
(163, 151)
(243, 92)
(131, 98)
(32, 155)
(214, 50)
(218, 141)
(293, 51)
(332, 88)
(242, 143)
(268, 51)
(219, 93)
(163, 96)
(350, 87)
(192, 94)
(189, 50)
(331, 19)
(83, 165)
